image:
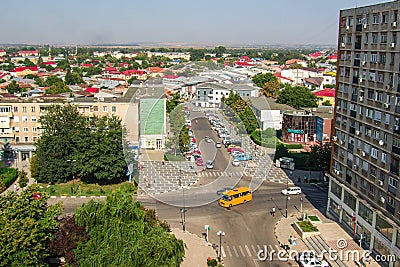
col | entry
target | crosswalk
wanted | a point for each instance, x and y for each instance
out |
(220, 173)
(251, 251)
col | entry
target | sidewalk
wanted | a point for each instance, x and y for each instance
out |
(329, 230)
(196, 249)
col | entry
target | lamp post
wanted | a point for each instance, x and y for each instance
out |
(73, 175)
(183, 210)
(287, 193)
(220, 234)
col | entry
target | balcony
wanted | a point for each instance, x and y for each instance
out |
(354, 97)
(356, 62)
(350, 147)
(355, 80)
(394, 169)
(348, 179)
(397, 109)
(353, 113)
(359, 27)
(390, 208)
(357, 45)
(7, 135)
(392, 189)
(396, 150)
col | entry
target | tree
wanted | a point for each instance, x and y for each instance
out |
(271, 88)
(196, 54)
(13, 87)
(297, 97)
(219, 51)
(128, 235)
(261, 79)
(281, 151)
(73, 77)
(173, 102)
(22, 178)
(320, 156)
(327, 103)
(27, 223)
(67, 238)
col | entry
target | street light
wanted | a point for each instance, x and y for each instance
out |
(287, 193)
(73, 175)
(220, 234)
(183, 210)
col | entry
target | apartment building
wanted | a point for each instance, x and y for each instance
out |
(363, 192)
(19, 117)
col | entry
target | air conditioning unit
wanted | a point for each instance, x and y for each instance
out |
(355, 166)
(343, 45)
(394, 24)
(360, 80)
(347, 27)
(393, 45)
(357, 132)
(381, 142)
(380, 182)
(388, 87)
(386, 105)
(396, 127)
(361, 98)
(363, 62)
(382, 199)
(341, 142)
(337, 172)
(334, 138)
(365, 26)
(363, 154)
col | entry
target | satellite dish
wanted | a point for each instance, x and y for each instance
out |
(381, 142)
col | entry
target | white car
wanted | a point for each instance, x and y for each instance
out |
(235, 163)
(196, 109)
(291, 191)
(209, 164)
(218, 145)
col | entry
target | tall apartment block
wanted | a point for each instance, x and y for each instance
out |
(364, 193)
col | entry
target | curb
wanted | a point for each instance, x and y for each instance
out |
(65, 197)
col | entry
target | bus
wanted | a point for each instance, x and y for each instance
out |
(235, 196)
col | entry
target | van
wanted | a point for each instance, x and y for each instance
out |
(235, 197)
(291, 191)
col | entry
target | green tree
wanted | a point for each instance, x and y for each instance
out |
(219, 51)
(271, 88)
(73, 77)
(281, 151)
(297, 97)
(27, 223)
(261, 79)
(144, 241)
(196, 54)
(13, 88)
(22, 178)
(320, 157)
(327, 103)
(28, 63)
(173, 102)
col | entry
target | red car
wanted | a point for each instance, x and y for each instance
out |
(193, 139)
(199, 162)
(236, 149)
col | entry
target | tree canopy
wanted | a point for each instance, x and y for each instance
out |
(297, 97)
(123, 233)
(320, 156)
(27, 224)
(72, 144)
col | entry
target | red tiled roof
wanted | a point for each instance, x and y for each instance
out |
(327, 92)
(28, 52)
(87, 65)
(92, 90)
(19, 69)
(49, 63)
(241, 63)
(155, 69)
(171, 76)
(110, 69)
(292, 61)
(278, 75)
(334, 56)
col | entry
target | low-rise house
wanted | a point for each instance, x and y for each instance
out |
(326, 95)
(23, 71)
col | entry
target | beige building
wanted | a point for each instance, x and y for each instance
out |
(19, 117)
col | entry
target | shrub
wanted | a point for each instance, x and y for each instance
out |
(212, 262)
(306, 226)
(8, 176)
(22, 179)
(293, 146)
(2, 186)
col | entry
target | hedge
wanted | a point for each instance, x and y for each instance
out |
(8, 176)
(293, 146)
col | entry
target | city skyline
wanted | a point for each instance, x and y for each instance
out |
(220, 23)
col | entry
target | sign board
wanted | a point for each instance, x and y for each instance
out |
(295, 131)
(319, 129)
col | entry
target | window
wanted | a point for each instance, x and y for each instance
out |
(114, 109)
(361, 111)
(16, 119)
(378, 115)
(375, 19)
(382, 58)
(24, 119)
(376, 134)
(374, 58)
(25, 129)
(17, 139)
(393, 182)
(5, 109)
(384, 227)
(368, 131)
(23, 109)
(105, 109)
(374, 154)
(367, 148)
(365, 213)
(387, 118)
(349, 200)
(96, 108)
(34, 129)
(336, 189)
(374, 39)
(378, 96)
(26, 139)
(33, 119)
(370, 95)
(15, 109)
(383, 38)
(385, 18)
(33, 109)
(369, 113)
(383, 158)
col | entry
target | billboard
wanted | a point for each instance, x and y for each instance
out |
(319, 129)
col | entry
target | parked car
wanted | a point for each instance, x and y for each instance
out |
(196, 109)
(208, 139)
(218, 145)
(291, 191)
(243, 157)
(233, 148)
(235, 163)
(199, 161)
(209, 164)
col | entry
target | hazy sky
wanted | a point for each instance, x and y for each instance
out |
(203, 21)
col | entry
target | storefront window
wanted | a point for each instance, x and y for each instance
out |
(336, 189)
(348, 219)
(365, 213)
(384, 227)
(349, 200)
(365, 236)
(334, 207)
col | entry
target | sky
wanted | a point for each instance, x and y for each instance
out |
(220, 22)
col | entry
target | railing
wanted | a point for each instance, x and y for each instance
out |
(390, 208)
(394, 169)
(396, 150)
(392, 189)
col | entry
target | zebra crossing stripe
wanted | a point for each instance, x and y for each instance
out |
(254, 250)
(241, 251)
(236, 253)
(223, 252)
(247, 250)
(229, 251)
(258, 249)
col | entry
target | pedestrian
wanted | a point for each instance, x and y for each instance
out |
(15, 187)
(273, 211)
(290, 240)
(367, 259)
(294, 241)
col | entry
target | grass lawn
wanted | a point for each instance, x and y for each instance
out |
(172, 157)
(306, 226)
(314, 218)
(81, 189)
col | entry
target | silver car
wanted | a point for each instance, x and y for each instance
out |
(209, 164)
